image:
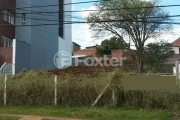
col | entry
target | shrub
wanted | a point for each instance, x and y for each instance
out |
(37, 88)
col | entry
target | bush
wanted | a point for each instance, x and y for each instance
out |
(37, 88)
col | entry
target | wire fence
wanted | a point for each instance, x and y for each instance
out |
(6, 69)
(38, 89)
(16, 91)
(152, 74)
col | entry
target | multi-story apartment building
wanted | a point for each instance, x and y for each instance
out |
(7, 29)
(39, 32)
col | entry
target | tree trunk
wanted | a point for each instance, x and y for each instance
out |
(140, 66)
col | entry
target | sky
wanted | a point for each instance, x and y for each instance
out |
(83, 36)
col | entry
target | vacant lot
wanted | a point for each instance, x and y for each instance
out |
(94, 70)
(76, 92)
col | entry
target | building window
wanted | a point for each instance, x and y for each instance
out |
(23, 17)
(8, 17)
(7, 42)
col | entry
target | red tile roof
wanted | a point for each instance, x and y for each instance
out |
(176, 43)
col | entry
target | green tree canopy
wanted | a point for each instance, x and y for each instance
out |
(137, 19)
(156, 54)
(108, 44)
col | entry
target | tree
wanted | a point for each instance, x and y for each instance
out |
(108, 44)
(156, 54)
(137, 19)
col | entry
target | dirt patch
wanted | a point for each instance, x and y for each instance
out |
(30, 117)
(176, 116)
(83, 70)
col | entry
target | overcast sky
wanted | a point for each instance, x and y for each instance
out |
(82, 35)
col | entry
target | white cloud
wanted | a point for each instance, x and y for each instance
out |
(83, 35)
(83, 32)
(86, 13)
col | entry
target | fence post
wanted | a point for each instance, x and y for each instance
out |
(113, 97)
(177, 72)
(5, 81)
(55, 90)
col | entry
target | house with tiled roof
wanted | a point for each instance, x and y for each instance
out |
(176, 48)
(88, 51)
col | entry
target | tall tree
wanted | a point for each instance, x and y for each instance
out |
(137, 19)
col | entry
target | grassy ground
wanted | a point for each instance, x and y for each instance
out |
(8, 118)
(86, 113)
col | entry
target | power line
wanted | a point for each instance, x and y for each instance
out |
(37, 12)
(53, 21)
(57, 5)
(125, 20)
(48, 10)
(64, 36)
(47, 20)
(113, 9)
(77, 22)
(52, 15)
(46, 15)
(175, 5)
(170, 16)
(105, 21)
(42, 9)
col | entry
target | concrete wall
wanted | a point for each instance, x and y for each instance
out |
(176, 50)
(23, 33)
(65, 43)
(22, 55)
(44, 39)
